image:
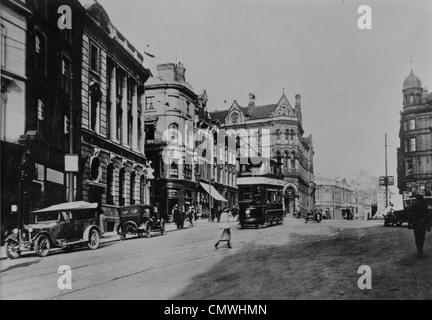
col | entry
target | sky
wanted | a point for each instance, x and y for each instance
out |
(350, 80)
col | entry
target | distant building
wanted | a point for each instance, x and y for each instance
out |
(289, 149)
(365, 192)
(333, 197)
(415, 151)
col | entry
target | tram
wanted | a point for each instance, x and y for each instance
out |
(260, 196)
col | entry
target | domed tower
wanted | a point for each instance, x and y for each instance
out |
(412, 90)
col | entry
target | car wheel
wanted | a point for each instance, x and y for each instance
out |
(12, 249)
(399, 224)
(42, 245)
(147, 232)
(94, 239)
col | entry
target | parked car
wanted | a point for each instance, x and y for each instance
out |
(62, 226)
(314, 215)
(396, 218)
(141, 220)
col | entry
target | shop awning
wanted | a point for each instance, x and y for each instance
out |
(213, 192)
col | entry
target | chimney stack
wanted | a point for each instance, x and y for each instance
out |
(298, 100)
(251, 100)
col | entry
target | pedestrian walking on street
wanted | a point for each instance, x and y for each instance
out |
(176, 216)
(420, 220)
(190, 216)
(225, 230)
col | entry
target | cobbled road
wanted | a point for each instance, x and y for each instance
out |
(160, 267)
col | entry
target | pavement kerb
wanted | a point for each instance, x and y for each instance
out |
(112, 237)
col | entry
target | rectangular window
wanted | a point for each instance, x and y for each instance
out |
(66, 74)
(40, 42)
(412, 124)
(3, 46)
(413, 144)
(42, 7)
(94, 58)
(149, 103)
(409, 168)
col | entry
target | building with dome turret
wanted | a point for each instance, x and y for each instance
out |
(415, 151)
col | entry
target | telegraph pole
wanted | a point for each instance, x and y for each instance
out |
(386, 175)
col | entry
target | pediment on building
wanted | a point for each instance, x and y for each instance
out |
(284, 108)
(235, 115)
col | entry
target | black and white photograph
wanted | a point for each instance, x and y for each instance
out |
(214, 156)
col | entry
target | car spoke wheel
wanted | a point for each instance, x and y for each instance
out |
(12, 249)
(42, 246)
(94, 239)
(147, 232)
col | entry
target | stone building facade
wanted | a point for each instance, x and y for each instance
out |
(113, 165)
(415, 152)
(179, 142)
(333, 197)
(282, 126)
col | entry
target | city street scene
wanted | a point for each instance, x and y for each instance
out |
(220, 151)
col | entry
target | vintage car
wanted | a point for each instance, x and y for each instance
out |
(314, 215)
(62, 226)
(396, 218)
(140, 220)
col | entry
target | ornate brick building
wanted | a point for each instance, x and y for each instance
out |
(289, 148)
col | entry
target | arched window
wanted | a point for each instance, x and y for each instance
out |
(110, 184)
(122, 182)
(173, 131)
(286, 160)
(278, 134)
(132, 188)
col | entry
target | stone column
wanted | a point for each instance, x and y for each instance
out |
(135, 117)
(113, 108)
(124, 138)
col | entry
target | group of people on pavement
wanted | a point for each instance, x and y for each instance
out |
(181, 214)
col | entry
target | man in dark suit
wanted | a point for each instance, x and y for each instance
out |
(420, 221)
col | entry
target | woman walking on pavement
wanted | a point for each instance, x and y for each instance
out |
(225, 230)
